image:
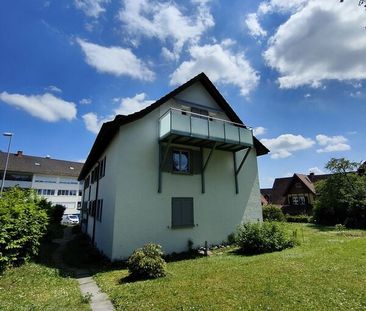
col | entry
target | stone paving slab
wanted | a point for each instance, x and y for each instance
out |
(99, 301)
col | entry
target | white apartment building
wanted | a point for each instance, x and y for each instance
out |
(182, 169)
(55, 180)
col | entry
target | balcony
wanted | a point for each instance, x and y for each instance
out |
(184, 127)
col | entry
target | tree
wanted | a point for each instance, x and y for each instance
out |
(342, 196)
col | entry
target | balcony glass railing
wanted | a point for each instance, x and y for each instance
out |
(186, 123)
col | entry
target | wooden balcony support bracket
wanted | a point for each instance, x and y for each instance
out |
(237, 170)
(162, 160)
(204, 165)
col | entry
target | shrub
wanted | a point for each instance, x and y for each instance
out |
(298, 218)
(23, 222)
(259, 238)
(231, 238)
(273, 213)
(147, 262)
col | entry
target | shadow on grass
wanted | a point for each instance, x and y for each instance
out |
(321, 227)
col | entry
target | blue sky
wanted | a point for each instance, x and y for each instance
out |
(293, 70)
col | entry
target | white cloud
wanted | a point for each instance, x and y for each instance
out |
(46, 107)
(85, 101)
(281, 6)
(166, 22)
(129, 105)
(255, 29)
(332, 143)
(220, 64)
(92, 8)
(283, 145)
(115, 60)
(307, 95)
(320, 41)
(316, 170)
(93, 123)
(260, 130)
(52, 88)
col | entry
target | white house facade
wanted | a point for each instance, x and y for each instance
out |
(55, 180)
(184, 168)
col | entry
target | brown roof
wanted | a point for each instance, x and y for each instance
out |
(281, 185)
(306, 181)
(109, 129)
(27, 164)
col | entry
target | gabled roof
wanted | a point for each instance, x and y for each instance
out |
(109, 129)
(37, 165)
(281, 185)
(304, 179)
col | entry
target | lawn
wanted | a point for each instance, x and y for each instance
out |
(37, 286)
(326, 272)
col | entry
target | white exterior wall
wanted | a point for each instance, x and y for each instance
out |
(106, 192)
(138, 214)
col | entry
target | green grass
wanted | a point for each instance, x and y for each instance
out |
(326, 272)
(38, 286)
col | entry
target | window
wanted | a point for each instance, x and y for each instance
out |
(87, 182)
(295, 200)
(182, 212)
(68, 181)
(102, 168)
(302, 200)
(181, 161)
(80, 193)
(99, 209)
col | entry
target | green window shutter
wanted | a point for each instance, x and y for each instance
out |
(196, 162)
(182, 212)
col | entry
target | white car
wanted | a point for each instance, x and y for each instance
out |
(70, 219)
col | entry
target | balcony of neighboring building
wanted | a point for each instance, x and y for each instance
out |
(188, 128)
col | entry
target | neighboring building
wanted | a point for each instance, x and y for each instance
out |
(184, 168)
(56, 180)
(295, 194)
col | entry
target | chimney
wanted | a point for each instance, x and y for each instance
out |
(19, 153)
(311, 175)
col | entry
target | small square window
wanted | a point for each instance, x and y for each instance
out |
(181, 161)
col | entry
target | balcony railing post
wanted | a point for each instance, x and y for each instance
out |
(190, 124)
(208, 128)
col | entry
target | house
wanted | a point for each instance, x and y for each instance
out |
(184, 168)
(295, 194)
(55, 180)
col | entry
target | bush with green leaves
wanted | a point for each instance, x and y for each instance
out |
(23, 222)
(272, 213)
(147, 262)
(266, 237)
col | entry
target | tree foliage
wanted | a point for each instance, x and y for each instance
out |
(23, 222)
(342, 196)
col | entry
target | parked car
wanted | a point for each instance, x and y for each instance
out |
(70, 219)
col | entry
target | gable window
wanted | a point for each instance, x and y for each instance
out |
(182, 212)
(181, 161)
(302, 200)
